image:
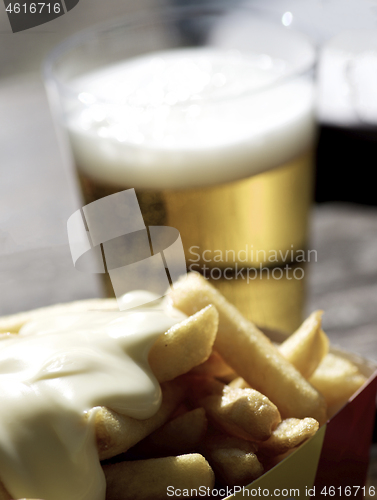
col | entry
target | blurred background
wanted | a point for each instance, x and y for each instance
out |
(38, 193)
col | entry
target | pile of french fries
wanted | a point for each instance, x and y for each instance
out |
(233, 405)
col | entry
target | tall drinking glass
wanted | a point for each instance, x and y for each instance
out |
(208, 113)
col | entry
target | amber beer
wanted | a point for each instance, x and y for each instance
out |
(230, 170)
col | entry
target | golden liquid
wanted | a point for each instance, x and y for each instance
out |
(256, 222)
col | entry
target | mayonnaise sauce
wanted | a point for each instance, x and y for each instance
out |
(54, 371)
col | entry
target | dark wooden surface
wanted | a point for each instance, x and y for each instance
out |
(343, 282)
(38, 193)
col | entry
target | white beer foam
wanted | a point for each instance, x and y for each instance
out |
(189, 117)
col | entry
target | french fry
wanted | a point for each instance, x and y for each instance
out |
(200, 387)
(178, 436)
(238, 383)
(215, 366)
(288, 434)
(117, 433)
(233, 459)
(243, 413)
(304, 349)
(250, 353)
(14, 322)
(307, 346)
(337, 379)
(147, 479)
(185, 345)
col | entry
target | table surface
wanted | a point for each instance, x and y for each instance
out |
(38, 193)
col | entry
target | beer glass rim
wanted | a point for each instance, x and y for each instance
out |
(168, 14)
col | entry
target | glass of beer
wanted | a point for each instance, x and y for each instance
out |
(207, 112)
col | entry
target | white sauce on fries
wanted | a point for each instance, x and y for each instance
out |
(54, 371)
